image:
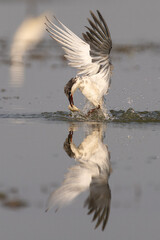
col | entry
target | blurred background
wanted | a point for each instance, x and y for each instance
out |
(34, 71)
(129, 21)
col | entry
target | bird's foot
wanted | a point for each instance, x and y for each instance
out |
(93, 110)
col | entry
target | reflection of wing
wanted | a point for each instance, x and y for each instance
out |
(99, 201)
(77, 180)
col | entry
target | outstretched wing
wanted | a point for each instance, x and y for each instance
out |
(99, 39)
(87, 56)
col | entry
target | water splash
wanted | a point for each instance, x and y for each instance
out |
(96, 116)
(120, 116)
(134, 116)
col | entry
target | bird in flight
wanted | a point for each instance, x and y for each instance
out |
(90, 56)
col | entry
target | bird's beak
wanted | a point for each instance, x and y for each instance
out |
(70, 98)
(72, 107)
(69, 90)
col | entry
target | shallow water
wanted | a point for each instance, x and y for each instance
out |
(41, 140)
(121, 116)
(34, 162)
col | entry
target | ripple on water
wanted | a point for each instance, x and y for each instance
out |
(120, 116)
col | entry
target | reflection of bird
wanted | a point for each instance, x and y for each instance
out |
(91, 172)
(91, 57)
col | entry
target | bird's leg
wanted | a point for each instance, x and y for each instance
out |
(92, 110)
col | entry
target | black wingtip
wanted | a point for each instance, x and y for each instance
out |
(98, 12)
